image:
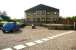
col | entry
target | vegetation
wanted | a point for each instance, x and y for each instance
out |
(73, 18)
(5, 18)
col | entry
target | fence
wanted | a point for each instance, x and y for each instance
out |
(60, 26)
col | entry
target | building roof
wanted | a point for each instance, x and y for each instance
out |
(41, 7)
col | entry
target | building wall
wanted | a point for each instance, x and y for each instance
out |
(42, 16)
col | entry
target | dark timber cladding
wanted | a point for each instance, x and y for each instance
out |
(42, 14)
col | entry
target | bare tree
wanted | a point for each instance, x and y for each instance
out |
(0, 13)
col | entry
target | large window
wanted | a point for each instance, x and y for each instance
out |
(41, 12)
(55, 13)
(48, 13)
(38, 19)
(42, 19)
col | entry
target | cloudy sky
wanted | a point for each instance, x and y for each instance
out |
(15, 8)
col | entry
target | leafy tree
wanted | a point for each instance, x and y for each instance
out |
(5, 17)
(74, 18)
(69, 18)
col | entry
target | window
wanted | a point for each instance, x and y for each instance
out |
(28, 14)
(55, 12)
(48, 13)
(43, 12)
(43, 19)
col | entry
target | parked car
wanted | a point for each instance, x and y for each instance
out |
(0, 27)
(1, 24)
(10, 27)
(21, 24)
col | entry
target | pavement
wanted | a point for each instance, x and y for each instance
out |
(38, 39)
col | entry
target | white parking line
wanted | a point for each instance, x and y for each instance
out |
(30, 43)
(45, 39)
(38, 41)
(18, 47)
(7, 49)
(61, 34)
(50, 37)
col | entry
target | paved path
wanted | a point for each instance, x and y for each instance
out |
(37, 42)
(33, 39)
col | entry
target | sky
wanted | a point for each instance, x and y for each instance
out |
(16, 8)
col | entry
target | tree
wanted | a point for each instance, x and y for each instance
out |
(74, 18)
(4, 13)
(4, 16)
(0, 13)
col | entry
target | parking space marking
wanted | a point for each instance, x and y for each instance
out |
(50, 37)
(45, 39)
(18, 47)
(62, 34)
(30, 43)
(38, 41)
(7, 49)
